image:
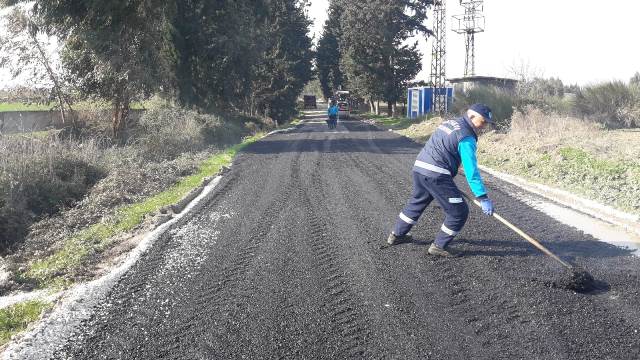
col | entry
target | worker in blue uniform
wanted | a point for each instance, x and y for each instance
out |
(333, 112)
(454, 143)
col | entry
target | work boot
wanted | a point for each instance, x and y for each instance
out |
(394, 239)
(436, 250)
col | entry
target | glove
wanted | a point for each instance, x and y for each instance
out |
(487, 206)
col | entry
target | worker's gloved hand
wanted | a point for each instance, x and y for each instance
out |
(487, 206)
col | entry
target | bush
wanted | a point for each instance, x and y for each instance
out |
(500, 102)
(40, 177)
(535, 123)
(613, 104)
(166, 132)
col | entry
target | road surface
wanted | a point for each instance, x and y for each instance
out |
(283, 260)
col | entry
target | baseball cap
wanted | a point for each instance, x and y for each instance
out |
(483, 110)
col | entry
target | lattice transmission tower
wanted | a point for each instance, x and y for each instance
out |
(438, 56)
(469, 24)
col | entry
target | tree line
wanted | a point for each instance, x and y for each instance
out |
(366, 47)
(248, 56)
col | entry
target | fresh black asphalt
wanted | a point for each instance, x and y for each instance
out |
(284, 261)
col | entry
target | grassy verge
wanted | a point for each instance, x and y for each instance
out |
(16, 318)
(418, 129)
(609, 181)
(393, 123)
(4, 107)
(55, 269)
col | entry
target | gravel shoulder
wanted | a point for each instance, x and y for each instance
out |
(283, 260)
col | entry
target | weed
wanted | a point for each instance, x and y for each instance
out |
(87, 243)
(16, 318)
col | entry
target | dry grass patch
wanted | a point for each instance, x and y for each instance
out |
(573, 154)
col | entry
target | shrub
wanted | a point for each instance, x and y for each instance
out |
(500, 102)
(533, 122)
(40, 177)
(166, 132)
(613, 104)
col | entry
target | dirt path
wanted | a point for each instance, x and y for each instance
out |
(284, 261)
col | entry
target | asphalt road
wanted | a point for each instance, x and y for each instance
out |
(283, 260)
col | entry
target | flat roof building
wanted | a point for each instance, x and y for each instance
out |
(466, 83)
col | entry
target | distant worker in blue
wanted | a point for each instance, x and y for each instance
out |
(453, 143)
(333, 115)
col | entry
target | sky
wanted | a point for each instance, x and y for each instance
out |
(579, 41)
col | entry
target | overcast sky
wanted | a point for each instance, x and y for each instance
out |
(579, 41)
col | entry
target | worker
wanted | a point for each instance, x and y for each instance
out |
(454, 143)
(333, 111)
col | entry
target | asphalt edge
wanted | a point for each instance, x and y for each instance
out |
(78, 303)
(592, 208)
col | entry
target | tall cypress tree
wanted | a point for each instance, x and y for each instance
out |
(328, 56)
(215, 44)
(376, 58)
(285, 59)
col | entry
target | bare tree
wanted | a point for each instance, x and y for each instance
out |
(24, 52)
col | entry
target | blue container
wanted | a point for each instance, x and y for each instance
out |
(420, 100)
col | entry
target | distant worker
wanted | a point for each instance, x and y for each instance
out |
(453, 143)
(333, 115)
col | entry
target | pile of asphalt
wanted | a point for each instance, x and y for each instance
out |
(284, 261)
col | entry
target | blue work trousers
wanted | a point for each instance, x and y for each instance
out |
(444, 190)
(332, 122)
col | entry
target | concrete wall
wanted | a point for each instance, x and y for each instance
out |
(26, 121)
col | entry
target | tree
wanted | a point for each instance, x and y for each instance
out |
(285, 59)
(114, 50)
(216, 48)
(375, 55)
(328, 56)
(25, 50)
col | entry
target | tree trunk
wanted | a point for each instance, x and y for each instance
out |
(120, 115)
(44, 60)
(372, 106)
(62, 100)
(377, 107)
(390, 109)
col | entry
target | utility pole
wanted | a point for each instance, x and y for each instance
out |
(469, 24)
(438, 57)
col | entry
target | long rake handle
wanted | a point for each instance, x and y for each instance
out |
(533, 241)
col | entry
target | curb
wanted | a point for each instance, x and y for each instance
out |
(284, 131)
(628, 221)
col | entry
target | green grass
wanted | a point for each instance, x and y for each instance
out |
(55, 270)
(393, 123)
(16, 318)
(4, 107)
(38, 135)
(609, 181)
